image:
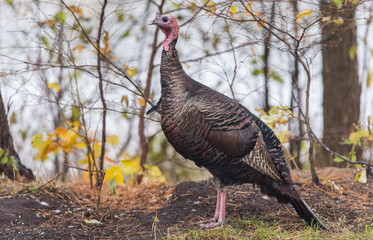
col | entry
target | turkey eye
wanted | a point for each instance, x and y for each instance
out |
(164, 19)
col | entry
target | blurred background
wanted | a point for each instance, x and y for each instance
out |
(301, 65)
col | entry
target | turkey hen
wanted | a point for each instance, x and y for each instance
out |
(220, 134)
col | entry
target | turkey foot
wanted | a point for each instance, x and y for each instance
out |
(219, 217)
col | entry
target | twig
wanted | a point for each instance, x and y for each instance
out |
(86, 170)
(53, 179)
(339, 155)
(100, 85)
(142, 138)
(102, 55)
(100, 175)
(335, 154)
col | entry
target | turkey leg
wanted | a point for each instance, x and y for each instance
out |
(219, 217)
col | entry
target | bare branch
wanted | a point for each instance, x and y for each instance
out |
(102, 55)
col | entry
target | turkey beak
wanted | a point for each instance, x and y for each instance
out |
(155, 20)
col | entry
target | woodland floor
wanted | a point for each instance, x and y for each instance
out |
(60, 211)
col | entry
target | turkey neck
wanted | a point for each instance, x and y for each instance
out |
(174, 80)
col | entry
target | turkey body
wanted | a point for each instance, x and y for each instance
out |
(220, 134)
(215, 131)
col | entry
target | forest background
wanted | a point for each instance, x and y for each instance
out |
(77, 78)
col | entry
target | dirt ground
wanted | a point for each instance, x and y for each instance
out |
(140, 212)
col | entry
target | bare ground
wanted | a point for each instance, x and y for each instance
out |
(141, 212)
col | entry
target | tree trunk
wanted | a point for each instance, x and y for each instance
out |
(295, 103)
(267, 49)
(6, 143)
(341, 105)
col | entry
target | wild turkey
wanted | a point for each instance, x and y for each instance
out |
(220, 134)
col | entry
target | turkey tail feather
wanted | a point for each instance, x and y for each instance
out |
(305, 212)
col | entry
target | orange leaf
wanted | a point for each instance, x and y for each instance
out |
(79, 47)
(253, 52)
(74, 9)
(51, 22)
(60, 130)
(142, 102)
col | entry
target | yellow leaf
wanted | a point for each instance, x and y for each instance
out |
(79, 47)
(338, 21)
(54, 86)
(68, 136)
(83, 162)
(47, 147)
(282, 121)
(273, 111)
(80, 145)
(68, 140)
(97, 149)
(37, 141)
(125, 99)
(325, 19)
(363, 133)
(211, 6)
(114, 172)
(131, 167)
(262, 112)
(301, 15)
(113, 139)
(132, 71)
(154, 173)
(352, 136)
(369, 78)
(141, 101)
(233, 10)
(73, 125)
(284, 136)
